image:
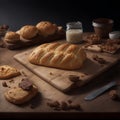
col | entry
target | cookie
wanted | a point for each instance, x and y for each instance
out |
(7, 72)
(17, 95)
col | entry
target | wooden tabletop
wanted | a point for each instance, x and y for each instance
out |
(102, 103)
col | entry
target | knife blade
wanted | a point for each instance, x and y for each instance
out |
(99, 91)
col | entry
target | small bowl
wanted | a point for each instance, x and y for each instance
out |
(114, 35)
(102, 26)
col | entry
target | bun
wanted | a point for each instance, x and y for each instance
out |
(63, 56)
(12, 37)
(28, 31)
(46, 28)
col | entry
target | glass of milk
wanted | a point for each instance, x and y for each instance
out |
(74, 32)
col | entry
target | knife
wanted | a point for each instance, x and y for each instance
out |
(99, 91)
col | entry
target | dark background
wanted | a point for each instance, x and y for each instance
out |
(17, 13)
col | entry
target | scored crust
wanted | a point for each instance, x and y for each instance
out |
(7, 72)
(46, 28)
(17, 95)
(64, 56)
(12, 37)
(28, 31)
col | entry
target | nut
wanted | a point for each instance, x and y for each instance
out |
(113, 95)
(4, 84)
(74, 78)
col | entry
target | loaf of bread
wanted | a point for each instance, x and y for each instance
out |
(58, 55)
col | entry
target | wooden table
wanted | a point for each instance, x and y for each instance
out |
(103, 104)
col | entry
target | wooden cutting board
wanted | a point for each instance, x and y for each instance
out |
(59, 78)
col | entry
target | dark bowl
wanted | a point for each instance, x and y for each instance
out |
(102, 26)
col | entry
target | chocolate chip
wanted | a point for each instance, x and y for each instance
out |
(4, 84)
(69, 101)
(74, 78)
(113, 95)
(56, 105)
(64, 105)
(25, 84)
(75, 106)
(53, 104)
(99, 59)
(11, 81)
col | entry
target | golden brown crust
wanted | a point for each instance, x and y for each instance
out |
(28, 31)
(7, 72)
(64, 56)
(46, 28)
(12, 37)
(17, 95)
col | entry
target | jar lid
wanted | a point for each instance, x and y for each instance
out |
(74, 25)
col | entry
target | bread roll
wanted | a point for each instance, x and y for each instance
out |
(46, 28)
(63, 56)
(28, 31)
(12, 37)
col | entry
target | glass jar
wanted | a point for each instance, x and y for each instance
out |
(74, 32)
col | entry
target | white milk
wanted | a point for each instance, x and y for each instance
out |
(74, 35)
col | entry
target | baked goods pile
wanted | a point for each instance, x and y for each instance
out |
(97, 44)
(20, 93)
(58, 55)
(28, 35)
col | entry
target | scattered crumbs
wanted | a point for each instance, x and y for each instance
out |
(4, 84)
(11, 81)
(51, 73)
(23, 73)
(83, 75)
(113, 95)
(53, 104)
(70, 101)
(74, 78)
(32, 106)
(64, 106)
(99, 59)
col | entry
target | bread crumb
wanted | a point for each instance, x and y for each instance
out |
(69, 101)
(51, 73)
(64, 106)
(113, 95)
(11, 81)
(4, 84)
